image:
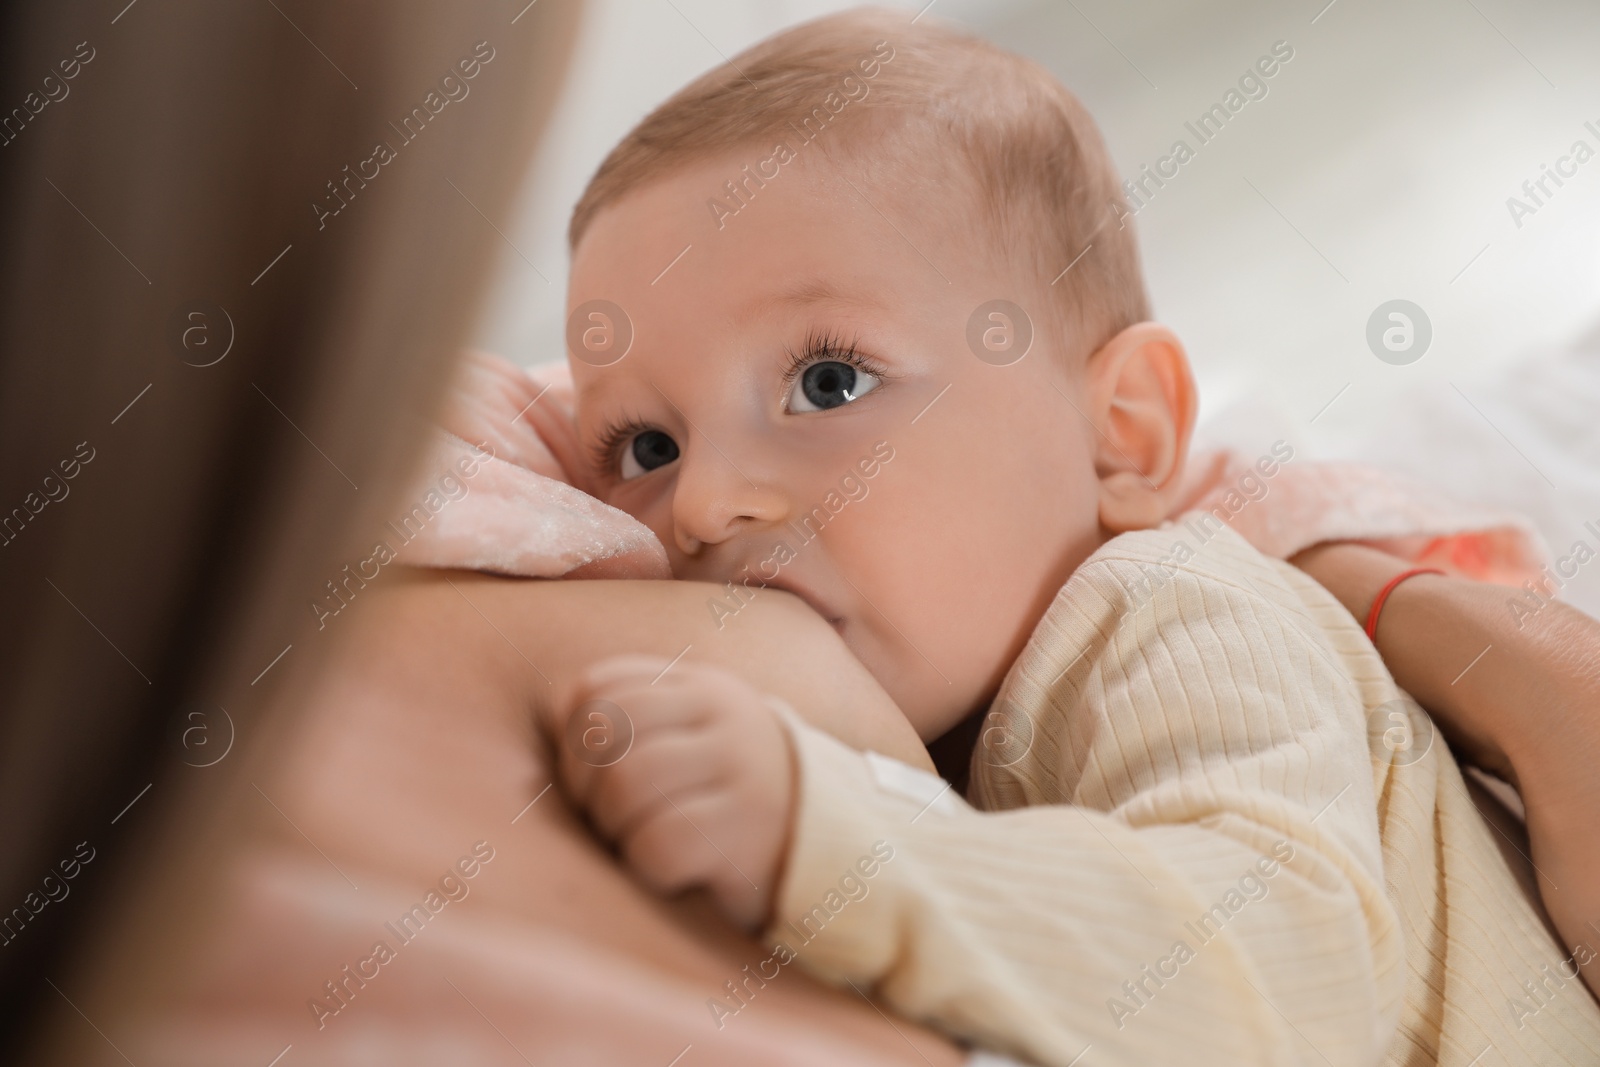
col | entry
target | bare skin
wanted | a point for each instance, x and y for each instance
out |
(422, 738)
(775, 642)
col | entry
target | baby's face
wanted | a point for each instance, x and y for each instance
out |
(800, 408)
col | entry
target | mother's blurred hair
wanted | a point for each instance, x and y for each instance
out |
(171, 190)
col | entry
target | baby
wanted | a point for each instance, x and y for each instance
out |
(859, 317)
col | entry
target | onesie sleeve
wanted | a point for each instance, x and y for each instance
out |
(1196, 876)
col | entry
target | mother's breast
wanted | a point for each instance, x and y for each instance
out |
(409, 887)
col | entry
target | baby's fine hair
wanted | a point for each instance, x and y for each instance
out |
(932, 101)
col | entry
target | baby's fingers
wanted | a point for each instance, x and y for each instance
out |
(668, 764)
(670, 849)
(634, 671)
(618, 670)
(599, 680)
(605, 730)
(598, 735)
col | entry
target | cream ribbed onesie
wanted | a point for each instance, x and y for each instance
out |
(1205, 827)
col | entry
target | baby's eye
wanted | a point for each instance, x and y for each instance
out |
(829, 384)
(648, 450)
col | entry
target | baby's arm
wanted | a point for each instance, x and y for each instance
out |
(1051, 929)
(1520, 701)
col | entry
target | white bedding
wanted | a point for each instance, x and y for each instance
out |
(1525, 438)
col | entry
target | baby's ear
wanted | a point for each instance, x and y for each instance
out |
(1142, 399)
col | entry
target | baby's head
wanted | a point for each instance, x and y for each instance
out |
(791, 363)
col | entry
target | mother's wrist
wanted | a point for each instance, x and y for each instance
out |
(1442, 644)
(1353, 573)
(1430, 629)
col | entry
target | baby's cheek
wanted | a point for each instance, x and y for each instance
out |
(948, 649)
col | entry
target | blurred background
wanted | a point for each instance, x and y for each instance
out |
(1377, 167)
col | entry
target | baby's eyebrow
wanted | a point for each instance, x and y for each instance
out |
(597, 396)
(819, 290)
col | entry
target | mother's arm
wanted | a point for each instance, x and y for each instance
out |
(1518, 694)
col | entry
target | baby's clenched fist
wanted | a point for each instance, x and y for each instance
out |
(701, 794)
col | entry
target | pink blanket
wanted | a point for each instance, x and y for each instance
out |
(525, 512)
(521, 514)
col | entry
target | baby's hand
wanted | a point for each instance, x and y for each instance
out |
(692, 778)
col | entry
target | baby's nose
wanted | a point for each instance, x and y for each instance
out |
(715, 500)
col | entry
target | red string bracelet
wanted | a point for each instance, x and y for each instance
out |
(1383, 595)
